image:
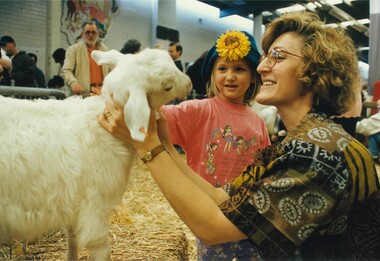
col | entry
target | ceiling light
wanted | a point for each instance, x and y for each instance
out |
(332, 25)
(291, 9)
(266, 13)
(347, 23)
(364, 21)
(334, 2)
(311, 6)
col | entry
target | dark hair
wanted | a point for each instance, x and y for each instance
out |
(59, 55)
(131, 46)
(32, 55)
(6, 39)
(90, 23)
(178, 47)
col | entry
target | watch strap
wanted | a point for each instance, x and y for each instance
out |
(149, 156)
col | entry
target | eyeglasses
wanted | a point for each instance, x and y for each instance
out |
(274, 56)
(91, 32)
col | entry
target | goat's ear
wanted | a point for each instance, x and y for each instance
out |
(109, 58)
(136, 113)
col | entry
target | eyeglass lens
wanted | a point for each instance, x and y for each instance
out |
(90, 32)
(272, 57)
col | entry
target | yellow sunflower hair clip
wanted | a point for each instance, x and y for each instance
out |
(233, 45)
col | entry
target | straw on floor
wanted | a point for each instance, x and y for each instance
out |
(144, 227)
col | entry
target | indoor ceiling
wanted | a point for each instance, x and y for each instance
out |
(347, 13)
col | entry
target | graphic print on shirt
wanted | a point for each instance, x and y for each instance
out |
(209, 163)
(228, 137)
(225, 147)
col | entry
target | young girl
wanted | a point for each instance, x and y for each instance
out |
(221, 135)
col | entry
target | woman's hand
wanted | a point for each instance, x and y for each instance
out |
(112, 119)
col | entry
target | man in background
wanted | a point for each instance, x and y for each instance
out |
(131, 46)
(80, 72)
(57, 81)
(175, 51)
(39, 76)
(23, 66)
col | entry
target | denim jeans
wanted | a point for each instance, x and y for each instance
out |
(374, 145)
(240, 250)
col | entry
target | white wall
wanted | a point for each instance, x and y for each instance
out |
(34, 26)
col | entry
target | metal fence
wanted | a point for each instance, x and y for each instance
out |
(44, 93)
(31, 93)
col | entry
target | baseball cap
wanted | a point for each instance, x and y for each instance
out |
(6, 39)
(232, 45)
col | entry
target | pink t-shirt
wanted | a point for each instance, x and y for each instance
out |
(219, 138)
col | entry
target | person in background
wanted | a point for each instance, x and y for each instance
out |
(131, 46)
(59, 56)
(5, 68)
(370, 127)
(57, 81)
(297, 199)
(175, 51)
(23, 67)
(39, 76)
(194, 72)
(221, 135)
(350, 118)
(80, 72)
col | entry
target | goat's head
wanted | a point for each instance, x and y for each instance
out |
(139, 80)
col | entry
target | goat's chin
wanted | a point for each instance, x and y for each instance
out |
(138, 135)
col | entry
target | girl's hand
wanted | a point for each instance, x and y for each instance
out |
(163, 129)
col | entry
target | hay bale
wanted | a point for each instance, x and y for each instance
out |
(143, 227)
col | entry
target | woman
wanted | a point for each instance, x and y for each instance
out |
(296, 197)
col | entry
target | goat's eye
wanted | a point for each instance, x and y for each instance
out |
(168, 88)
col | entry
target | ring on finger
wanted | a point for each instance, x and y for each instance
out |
(107, 114)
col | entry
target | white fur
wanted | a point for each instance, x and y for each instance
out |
(60, 169)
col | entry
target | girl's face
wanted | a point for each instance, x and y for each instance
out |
(280, 84)
(232, 79)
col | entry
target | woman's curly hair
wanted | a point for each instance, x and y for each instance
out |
(329, 64)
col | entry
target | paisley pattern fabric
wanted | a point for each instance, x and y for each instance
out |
(302, 189)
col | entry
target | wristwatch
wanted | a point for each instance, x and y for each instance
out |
(149, 155)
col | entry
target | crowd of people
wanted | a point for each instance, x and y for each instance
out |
(244, 195)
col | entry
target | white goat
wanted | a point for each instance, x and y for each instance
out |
(60, 169)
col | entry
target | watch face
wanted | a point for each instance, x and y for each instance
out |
(148, 156)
